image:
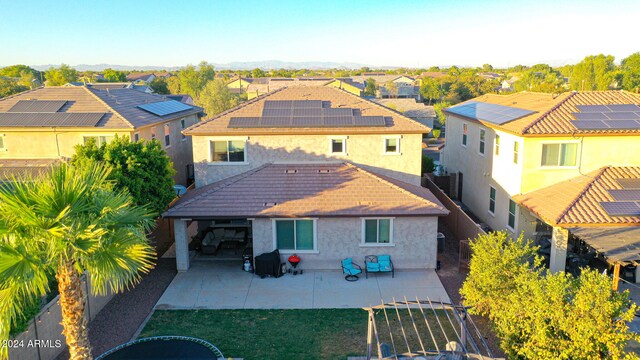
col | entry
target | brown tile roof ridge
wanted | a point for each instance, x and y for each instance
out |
(594, 175)
(242, 105)
(546, 113)
(107, 105)
(385, 181)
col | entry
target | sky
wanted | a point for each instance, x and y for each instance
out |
(396, 33)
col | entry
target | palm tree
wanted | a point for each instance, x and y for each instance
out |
(63, 223)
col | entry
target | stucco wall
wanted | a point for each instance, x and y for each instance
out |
(363, 150)
(415, 244)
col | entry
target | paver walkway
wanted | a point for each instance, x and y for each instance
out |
(223, 285)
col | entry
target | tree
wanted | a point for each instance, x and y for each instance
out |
(392, 89)
(159, 86)
(173, 85)
(142, 168)
(111, 75)
(630, 67)
(540, 78)
(257, 73)
(539, 315)
(15, 71)
(370, 88)
(487, 67)
(65, 222)
(60, 76)
(193, 80)
(440, 116)
(431, 89)
(593, 73)
(216, 98)
(9, 87)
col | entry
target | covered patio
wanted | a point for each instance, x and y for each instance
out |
(210, 284)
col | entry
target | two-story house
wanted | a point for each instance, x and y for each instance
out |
(44, 125)
(553, 165)
(315, 171)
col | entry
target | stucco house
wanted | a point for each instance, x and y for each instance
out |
(551, 166)
(315, 171)
(43, 125)
(412, 109)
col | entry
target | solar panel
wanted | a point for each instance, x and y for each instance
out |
(622, 115)
(277, 112)
(338, 120)
(275, 121)
(38, 106)
(307, 104)
(590, 116)
(623, 124)
(244, 122)
(621, 208)
(338, 112)
(369, 121)
(629, 183)
(625, 195)
(277, 104)
(497, 114)
(55, 119)
(592, 108)
(590, 124)
(163, 108)
(624, 107)
(307, 112)
(307, 121)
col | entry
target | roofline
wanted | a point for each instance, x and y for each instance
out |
(274, 216)
(62, 129)
(108, 107)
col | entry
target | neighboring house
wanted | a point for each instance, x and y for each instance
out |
(508, 85)
(490, 75)
(164, 74)
(410, 108)
(141, 78)
(255, 87)
(183, 98)
(315, 171)
(527, 162)
(46, 123)
(347, 84)
(407, 87)
(114, 85)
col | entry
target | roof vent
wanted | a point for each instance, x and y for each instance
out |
(324, 171)
(290, 171)
(270, 204)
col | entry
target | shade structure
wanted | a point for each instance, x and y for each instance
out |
(619, 244)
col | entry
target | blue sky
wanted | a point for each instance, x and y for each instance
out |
(383, 33)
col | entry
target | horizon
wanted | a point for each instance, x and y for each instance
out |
(418, 34)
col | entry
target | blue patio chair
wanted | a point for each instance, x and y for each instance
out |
(351, 269)
(378, 263)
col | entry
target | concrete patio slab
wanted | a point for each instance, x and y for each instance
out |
(223, 285)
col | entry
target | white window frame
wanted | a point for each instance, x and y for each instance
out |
(496, 147)
(391, 242)
(482, 144)
(515, 215)
(465, 135)
(98, 142)
(516, 152)
(315, 236)
(167, 135)
(227, 138)
(495, 195)
(555, 142)
(183, 125)
(344, 145)
(398, 147)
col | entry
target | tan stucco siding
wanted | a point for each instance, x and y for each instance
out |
(47, 143)
(414, 238)
(362, 150)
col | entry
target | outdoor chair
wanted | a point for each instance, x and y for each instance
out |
(351, 269)
(378, 263)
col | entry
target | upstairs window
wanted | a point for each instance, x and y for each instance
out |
(392, 146)
(339, 146)
(2, 148)
(100, 140)
(136, 136)
(559, 154)
(153, 132)
(511, 221)
(497, 150)
(482, 137)
(516, 149)
(167, 135)
(464, 134)
(228, 151)
(183, 125)
(492, 200)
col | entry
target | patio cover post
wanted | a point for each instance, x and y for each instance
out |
(182, 244)
(616, 276)
(559, 243)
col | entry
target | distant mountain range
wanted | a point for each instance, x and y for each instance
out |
(236, 65)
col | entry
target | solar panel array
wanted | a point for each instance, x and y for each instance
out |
(53, 119)
(163, 108)
(493, 113)
(37, 106)
(305, 113)
(626, 201)
(607, 117)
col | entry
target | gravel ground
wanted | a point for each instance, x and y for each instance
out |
(122, 316)
(452, 281)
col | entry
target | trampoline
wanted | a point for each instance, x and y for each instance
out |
(164, 347)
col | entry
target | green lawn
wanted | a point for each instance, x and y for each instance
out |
(269, 334)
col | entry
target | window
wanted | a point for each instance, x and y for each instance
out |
(228, 151)
(153, 133)
(377, 231)
(392, 146)
(464, 134)
(482, 137)
(497, 144)
(512, 215)
(516, 148)
(136, 136)
(2, 148)
(100, 140)
(295, 235)
(492, 200)
(339, 146)
(183, 125)
(559, 154)
(167, 135)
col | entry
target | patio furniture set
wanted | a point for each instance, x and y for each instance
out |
(373, 264)
(219, 238)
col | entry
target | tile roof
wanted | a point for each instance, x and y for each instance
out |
(408, 107)
(322, 189)
(139, 76)
(397, 123)
(553, 112)
(576, 201)
(118, 105)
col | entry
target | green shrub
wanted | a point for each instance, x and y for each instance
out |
(427, 164)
